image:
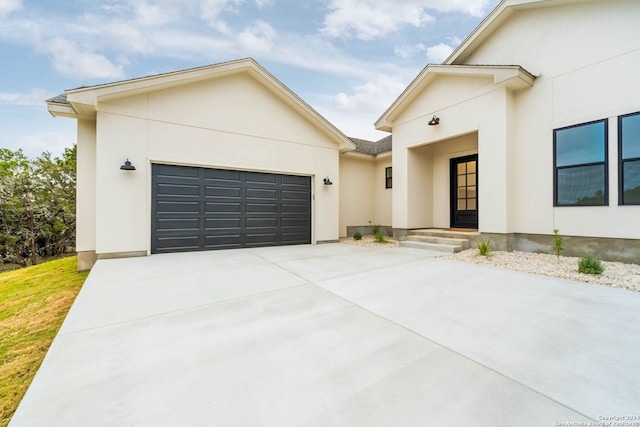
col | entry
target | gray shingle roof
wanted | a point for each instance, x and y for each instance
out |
(59, 99)
(373, 147)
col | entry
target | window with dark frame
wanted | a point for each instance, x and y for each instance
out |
(388, 178)
(580, 165)
(629, 159)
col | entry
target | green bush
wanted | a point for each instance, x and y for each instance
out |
(376, 230)
(357, 235)
(558, 244)
(484, 248)
(590, 264)
(380, 238)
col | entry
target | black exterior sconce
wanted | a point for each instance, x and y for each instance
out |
(434, 121)
(327, 181)
(127, 166)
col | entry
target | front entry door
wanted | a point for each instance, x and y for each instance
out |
(464, 192)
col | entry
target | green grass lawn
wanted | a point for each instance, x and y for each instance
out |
(33, 303)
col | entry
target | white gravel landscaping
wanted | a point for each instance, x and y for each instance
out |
(616, 274)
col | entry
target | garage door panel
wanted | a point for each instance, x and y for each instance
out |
(216, 207)
(178, 190)
(227, 192)
(184, 224)
(295, 222)
(222, 242)
(221, 175)
(223, 223)
(176, 173)
(178, 244)
(289, 195)
(298, 238)
(263, 208)
(177, 206)
(255, 222)
(290, 209)
(262, 239)
(261, 178)
(295, 180)
(201, 209)
(262, 193)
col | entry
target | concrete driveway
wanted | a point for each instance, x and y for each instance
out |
(336, 335)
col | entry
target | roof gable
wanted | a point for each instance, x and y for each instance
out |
(494, 20)
(510, 76)
(83, 101)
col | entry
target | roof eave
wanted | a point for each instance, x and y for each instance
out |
(57, 109)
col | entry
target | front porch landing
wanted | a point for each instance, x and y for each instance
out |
(441, 240)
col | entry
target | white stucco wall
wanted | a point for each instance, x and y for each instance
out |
(357, 194)
(581, 75)
(228, 122)
(364, 200)
(382, 207)
(85, 187)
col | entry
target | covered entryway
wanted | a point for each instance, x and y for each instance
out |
(196, 208)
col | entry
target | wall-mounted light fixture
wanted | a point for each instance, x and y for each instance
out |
(434, 121)
(127, 166)
(327, 181)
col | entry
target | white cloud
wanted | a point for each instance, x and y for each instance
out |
(371, 19)
(191, 46)
(70, 60)
(34, 98)
(129, 36)
(438, 53)
(406, 52)
(373, 97)
(475, 8)
(257, 38)
(210, 10)
(263, 3)
(54, 142)
(9, 6)
(151, 15)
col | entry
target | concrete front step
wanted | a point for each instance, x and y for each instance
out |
(436, 232)
(439, 247)
(463, 243)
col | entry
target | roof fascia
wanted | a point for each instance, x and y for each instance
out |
(511, 76)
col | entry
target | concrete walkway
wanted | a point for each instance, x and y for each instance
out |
(335, 335)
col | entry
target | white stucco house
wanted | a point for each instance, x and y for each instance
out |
(539, 129)
(532, 124)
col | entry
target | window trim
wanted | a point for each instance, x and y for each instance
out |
(605, 163)
(388, 177)
(622, 161)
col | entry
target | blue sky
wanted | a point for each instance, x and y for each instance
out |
(349, 59)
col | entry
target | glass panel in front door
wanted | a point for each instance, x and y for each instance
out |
(467, 186)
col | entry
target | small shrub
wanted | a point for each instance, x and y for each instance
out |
(376, 230)
(357, 235)
(380, 238)
(590, 264)
(558, 244)
(484, 248)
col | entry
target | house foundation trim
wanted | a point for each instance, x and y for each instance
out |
(606, 248)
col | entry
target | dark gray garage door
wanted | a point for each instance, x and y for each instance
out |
(201, 209)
